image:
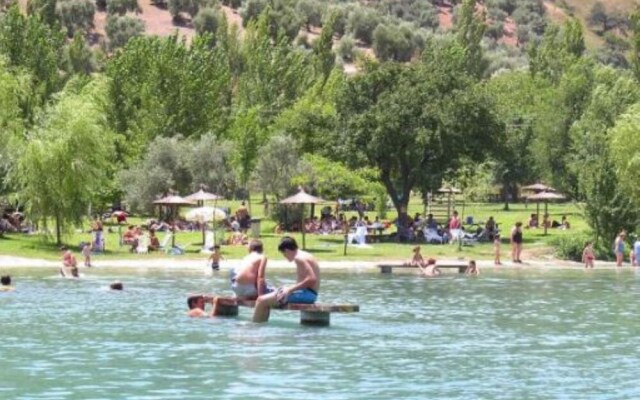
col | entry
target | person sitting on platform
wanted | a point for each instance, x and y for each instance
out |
(69, 263)
(249, 281)
(307, 285)
(417, 260)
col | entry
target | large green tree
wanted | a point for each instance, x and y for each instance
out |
(64, 160)
(415, 122)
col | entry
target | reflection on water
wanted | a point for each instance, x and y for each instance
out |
(503, 335)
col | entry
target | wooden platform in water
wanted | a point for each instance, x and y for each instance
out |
(317, 314)
(459, 265)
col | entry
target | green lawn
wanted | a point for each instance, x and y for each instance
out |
(326, 247)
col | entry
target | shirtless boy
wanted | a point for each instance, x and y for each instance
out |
(249, 282)
(305, 290)
(196, 306)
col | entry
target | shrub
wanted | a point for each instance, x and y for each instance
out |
(310, 12)
(392, 43)
(346, 49)
(120, 29)
(190, 7)
(570, 247)
(207, 21)
(121, 7)
(75, 15)
(362, 22)
(341, 15)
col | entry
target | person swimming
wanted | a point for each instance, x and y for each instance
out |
(5, 284)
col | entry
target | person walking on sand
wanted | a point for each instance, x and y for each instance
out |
(307, 285)
(618, 248)
(496, 249)
(516, 242)
(86, 252)
(588, 255)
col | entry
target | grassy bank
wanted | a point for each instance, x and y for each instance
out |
(325, 247)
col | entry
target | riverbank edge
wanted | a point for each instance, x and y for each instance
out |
(14, 262)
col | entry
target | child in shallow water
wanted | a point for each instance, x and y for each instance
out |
(417, 260)
(588, 255)
(472, 269)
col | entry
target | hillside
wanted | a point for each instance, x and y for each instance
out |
(510, 23)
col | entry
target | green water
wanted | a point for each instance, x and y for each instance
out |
(503, 335)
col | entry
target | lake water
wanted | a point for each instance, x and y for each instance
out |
(503, 335)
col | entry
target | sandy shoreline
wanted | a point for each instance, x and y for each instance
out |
(159, 263)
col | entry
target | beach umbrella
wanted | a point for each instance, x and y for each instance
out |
(302, 197)
(202, 196)
(538, 187)
(546, 197)
(205, 214)
(174, 202)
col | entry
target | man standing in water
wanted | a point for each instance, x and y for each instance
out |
(305, 290)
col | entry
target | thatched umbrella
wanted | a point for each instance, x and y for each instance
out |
(537, 188)
(200, 197)
(302, 197)
(174, 202)
(546, 197)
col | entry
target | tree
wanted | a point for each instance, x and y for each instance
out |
(207, 21)
(176, 7)
(361, 24)
(469, 32)
(412, 123)
(121, 7)
(607, 208)
(29, 43)
(121, 29)
(518, 100)
(635, 42)
(75, 15)
(45, 9)
(277, 165)
(249, 136)
(13, 87)
(178, 164)
(623, 145)
(310, 12)
(393, 44)
(80, 56)
(64, 160)
(332, 179)
(325, 58)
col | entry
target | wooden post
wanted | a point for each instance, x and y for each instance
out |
(226, 310)
(385, 269)
(315, 318)
(546, 212)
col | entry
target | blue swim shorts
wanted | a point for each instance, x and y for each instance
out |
(305, 296)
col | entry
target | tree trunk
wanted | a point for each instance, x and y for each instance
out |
(58, 231)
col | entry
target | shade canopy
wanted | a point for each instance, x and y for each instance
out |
(449, 189)
(538, 187)
(546, 196)
(302, 197)
(174, 201)
(205, 214)
(201, 195)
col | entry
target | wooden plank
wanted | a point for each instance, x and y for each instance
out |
(317, 307)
